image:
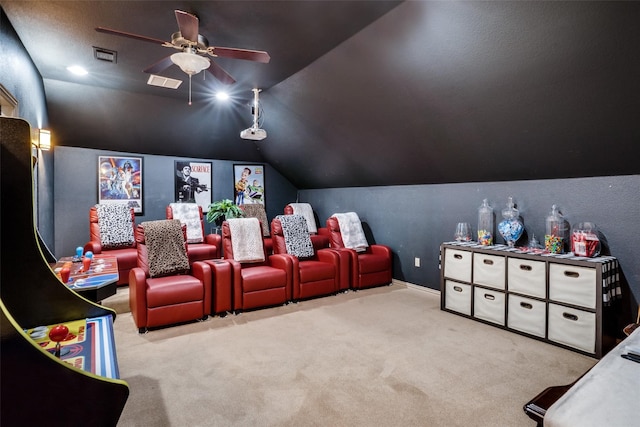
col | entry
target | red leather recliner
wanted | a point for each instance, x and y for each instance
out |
(170, 299)
(257, 284)
(210, 246)
(127, 257)
(370, 268)
(321, 240)
(314, 276)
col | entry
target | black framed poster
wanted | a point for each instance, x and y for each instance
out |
(248, 184)
(120, 181)
(193, 183)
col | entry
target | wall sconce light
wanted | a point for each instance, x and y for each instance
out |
(44, 139)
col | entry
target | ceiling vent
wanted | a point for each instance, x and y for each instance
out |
(160, 81)
(106, 55)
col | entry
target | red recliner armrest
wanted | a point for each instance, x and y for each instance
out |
(95, 247)
(202, 271)
(334, 257)
(221, 286)
(379, 249)
(138, 295)
(236, 283)
(216, 240)
(284, 262)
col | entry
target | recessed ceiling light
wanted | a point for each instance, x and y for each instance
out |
(77, 70)
(222, 96)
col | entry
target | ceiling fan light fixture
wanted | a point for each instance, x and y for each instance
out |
(190, 63)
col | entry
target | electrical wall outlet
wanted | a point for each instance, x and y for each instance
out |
(416, 262)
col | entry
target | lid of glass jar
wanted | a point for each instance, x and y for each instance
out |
(510, 211)
(485, 207)
(555, 214)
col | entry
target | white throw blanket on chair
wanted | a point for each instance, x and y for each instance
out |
(306, 211)
(351, 230)
(246, 239)
(189, 214)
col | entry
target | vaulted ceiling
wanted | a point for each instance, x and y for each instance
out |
(357, 93)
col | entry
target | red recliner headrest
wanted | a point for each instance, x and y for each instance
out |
(335, 237)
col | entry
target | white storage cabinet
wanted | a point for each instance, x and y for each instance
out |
(555, 299)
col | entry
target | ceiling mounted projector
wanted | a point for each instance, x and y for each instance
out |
(254, 132)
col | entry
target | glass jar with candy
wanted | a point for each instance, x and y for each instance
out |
(555, 231)
(511, 226)
(485, 224)
(585, 240)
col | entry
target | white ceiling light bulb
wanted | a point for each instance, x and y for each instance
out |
(77, 70)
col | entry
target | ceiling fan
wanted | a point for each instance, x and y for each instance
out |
(192, 47)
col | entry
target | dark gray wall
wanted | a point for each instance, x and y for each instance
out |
(415, 219)
(20, 77)
(76, 190)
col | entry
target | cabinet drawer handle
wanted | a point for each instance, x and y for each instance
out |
(572, 274)
(525, 267)
(457, 256)
(457, 288)
(487, 261)
(570, 316)
(526, 305)
(489, 297)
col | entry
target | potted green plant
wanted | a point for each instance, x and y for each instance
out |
(223, 209)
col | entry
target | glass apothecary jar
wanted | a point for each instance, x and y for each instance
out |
(555, 231)
(511, 226)
(585, 240)
(485, 224)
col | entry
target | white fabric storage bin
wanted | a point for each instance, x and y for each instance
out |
(527, 277)
(457, 265)
(489, 270)
(572, 327)
(573, 285)
(458, 297)
(488, 305)
(527, 315)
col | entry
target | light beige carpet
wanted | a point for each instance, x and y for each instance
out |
(379, 357)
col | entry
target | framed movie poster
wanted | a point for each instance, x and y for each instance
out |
(248, 184)
(193, 183)
(120, 181)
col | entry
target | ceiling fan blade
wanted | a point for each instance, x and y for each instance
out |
(220, 74)
(249, 55)
(129, 35)
(188, 25)
(159, 66)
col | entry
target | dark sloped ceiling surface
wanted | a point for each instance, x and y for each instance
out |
(466, 91)
(362, 93)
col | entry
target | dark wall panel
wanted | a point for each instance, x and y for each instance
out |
(21, 78)
(76, 186)
(415, 219)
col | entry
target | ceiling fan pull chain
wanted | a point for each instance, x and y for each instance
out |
(189, 89)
